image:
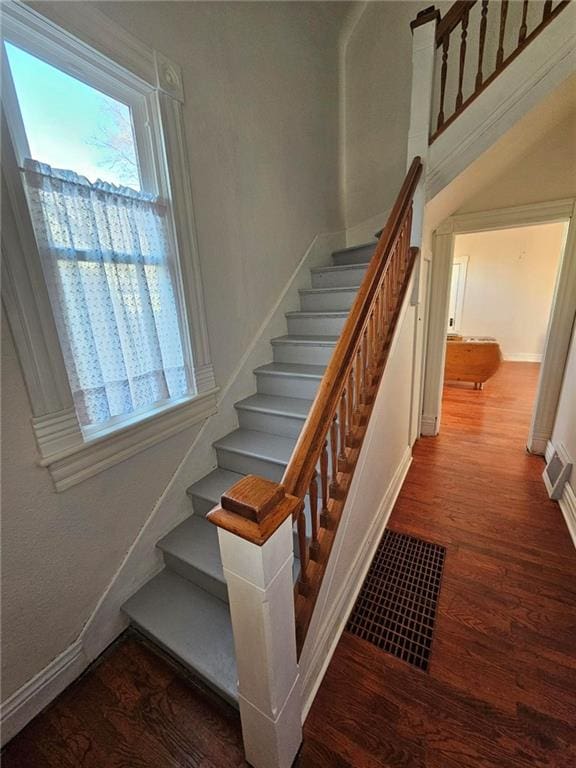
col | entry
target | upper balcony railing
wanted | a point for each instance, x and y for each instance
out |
(475, 42)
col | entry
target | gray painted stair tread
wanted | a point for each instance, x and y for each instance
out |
(281, 406)
(213, 485)
(320, 313)
(352, 248)
(336, 289)
(340, 267)
(190, 624)
(273, 448)
(292, 369)
(328, 341)
(195, 541)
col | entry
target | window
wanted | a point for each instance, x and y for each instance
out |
(104, 298)
(103, 235)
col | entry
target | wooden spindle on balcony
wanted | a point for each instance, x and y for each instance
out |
(313, 496)
(443, 76)
(464, 34)
(523, 26)
(481, 43)
(503, 15)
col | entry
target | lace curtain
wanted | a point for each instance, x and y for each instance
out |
(105, 252)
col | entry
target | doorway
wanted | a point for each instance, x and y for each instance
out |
(505, 278)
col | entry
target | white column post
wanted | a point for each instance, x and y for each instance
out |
(437, 327)
(255, 535)
(423, 56)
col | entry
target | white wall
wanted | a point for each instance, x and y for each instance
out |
(378, 78)
(509, 286)
(261, 87)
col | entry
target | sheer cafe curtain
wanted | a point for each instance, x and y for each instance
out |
(104, 252)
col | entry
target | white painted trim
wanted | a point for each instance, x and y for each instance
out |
(546, 212)
(333, 626)
(522, 357)
(29, 700)
(428, 426)
(86, 459)
(541, 67)
(549, 451)
(568, 507)
(538, 444)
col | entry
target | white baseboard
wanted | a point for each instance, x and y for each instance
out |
(521, 357)
(428, 426)
(329, 634)
(29, 700)
(568, 507)
(548, 452)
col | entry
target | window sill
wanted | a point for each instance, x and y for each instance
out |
(71, 458)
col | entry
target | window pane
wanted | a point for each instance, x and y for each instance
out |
(71, 125)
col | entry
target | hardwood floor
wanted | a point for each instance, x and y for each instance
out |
(501, 690)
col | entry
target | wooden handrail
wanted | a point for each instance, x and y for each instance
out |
(324, 459)
(455, 24)
(306, 453)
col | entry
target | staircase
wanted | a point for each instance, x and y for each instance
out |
(184, 609)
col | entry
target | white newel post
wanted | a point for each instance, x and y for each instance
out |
(423, 56)
(255, 534)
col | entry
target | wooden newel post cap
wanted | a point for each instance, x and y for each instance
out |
(254, 508)
(423, 17)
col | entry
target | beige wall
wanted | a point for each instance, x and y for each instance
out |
(545, 171)
(509, 285)
(261, 84)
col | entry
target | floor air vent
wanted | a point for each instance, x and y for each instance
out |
(396, 608)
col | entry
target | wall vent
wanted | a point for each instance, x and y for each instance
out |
(557, 472)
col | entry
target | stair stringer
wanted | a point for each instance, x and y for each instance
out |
(384, 461)
(144, 560)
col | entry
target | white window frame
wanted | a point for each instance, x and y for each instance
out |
(100, 53)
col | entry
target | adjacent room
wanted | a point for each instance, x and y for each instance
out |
(501, 294)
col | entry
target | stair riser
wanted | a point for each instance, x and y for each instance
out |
(357, 256)
(315, 326)
(200, 505)
(304, 354)
(286, 426)
(338, 278)
(250, 465)
(336, 301)
(287, 386)
(201, 579)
